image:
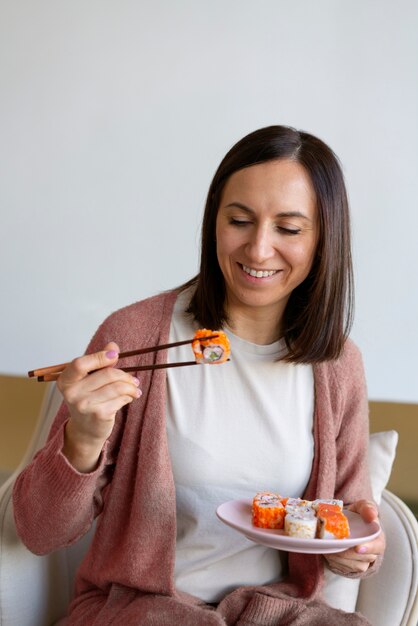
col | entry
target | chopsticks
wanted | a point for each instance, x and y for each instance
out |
(51, 373)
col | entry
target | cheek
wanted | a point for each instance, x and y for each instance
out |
(224, 258)
(301, 256)
(220, 238)
(222, 251)
(310, 257)
(226, 241)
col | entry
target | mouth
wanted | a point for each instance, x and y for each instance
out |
(257, 273)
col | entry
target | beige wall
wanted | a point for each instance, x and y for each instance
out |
(404, 419)
(21, 399)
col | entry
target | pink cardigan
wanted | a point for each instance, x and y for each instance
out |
(127, 574)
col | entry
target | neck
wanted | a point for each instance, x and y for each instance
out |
(255, 325)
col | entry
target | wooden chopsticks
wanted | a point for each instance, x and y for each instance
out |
(51, 373)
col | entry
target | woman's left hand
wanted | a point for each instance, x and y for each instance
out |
(357, 560)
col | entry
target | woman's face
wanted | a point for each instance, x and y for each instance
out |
(266, 234)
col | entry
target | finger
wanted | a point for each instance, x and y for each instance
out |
(87, 402)
(350, 555)
(375, 547)
(112, 406)
(80, 367)
(99, 380)
(351, 561)
(349, 566)
(367, 509)
(90, 395)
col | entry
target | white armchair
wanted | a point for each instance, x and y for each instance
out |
(35, 591)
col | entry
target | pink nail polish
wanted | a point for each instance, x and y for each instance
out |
(362, 549)
(111, 354)
(135, 380)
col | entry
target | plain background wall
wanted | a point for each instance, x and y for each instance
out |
(115, 114)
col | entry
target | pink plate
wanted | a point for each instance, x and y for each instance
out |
(237, 514)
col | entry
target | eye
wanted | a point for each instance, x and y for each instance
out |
(238, 222)
(288, 231)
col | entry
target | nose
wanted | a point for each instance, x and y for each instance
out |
(260, 245)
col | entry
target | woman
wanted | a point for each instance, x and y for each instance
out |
(153, 458)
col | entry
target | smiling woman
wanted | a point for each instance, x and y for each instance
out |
(155, 454)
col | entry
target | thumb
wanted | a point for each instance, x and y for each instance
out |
(367, 509)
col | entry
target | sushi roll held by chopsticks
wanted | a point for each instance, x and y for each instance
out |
(214, 350)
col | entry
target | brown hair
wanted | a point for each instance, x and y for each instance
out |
(318, 315)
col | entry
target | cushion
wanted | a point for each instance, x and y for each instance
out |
(382, 449)
(340, 592)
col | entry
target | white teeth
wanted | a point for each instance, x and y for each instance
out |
(258, 273)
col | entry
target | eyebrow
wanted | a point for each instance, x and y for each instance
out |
(247, 209)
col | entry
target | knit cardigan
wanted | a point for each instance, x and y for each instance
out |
(126, 576)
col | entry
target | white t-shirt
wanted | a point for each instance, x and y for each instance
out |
(233, 429)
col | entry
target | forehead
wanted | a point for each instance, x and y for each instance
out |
(281, 184)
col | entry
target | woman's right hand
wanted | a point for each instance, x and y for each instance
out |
(93, 400)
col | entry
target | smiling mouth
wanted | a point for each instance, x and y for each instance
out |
(258, 273)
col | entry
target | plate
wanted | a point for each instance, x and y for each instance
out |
(237, 514)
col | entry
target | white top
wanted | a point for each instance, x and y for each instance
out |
(233, 429)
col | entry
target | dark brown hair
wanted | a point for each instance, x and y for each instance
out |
(318, 315)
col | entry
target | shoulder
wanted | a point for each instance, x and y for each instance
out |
(345, 374)
(137, 322)
(340, 384)
(349, 361)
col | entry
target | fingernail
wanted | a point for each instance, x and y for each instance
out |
(135, 380)
(362, 549)
(138, 393)
(111, 354)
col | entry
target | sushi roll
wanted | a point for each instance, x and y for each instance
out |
(302, 523)
(332, 524)
(297, 504)
(268, 510)
(214, 350)
(327, 509)
(331, 501)
(267, 496)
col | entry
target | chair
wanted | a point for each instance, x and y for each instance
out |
(35, 590)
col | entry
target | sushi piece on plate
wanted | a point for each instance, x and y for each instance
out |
(297, 502)
(268, 510)
(327, 508)
(214, 350)
(332, 524)
(302, 523)
(297, 505)
(330, 501)
(267, 496)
